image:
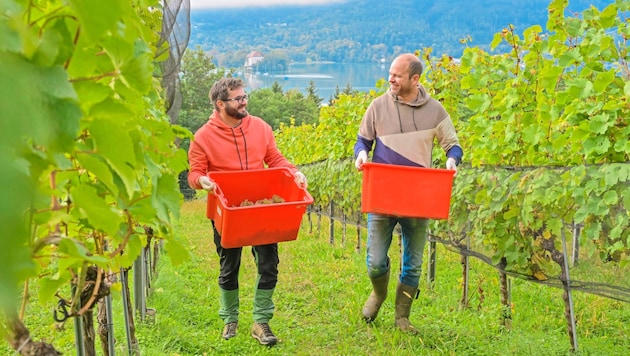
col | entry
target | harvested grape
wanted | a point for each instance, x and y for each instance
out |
(246, 202)
(273, 200)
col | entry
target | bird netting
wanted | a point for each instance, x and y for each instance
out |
(174, 38)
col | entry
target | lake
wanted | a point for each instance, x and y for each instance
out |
(327, 77)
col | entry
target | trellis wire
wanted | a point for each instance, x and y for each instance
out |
(612, 292)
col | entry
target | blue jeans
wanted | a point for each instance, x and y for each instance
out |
(414, 238)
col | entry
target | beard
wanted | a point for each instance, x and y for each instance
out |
(235, 113)
(400, 90)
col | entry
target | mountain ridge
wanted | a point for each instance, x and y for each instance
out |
(363, 30)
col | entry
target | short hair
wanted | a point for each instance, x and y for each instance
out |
(221, 89)
(415, 67)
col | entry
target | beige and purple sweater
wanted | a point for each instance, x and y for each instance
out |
(403, 133)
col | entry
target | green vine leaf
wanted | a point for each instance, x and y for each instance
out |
(89, 151)
(112, 142)
(95, 209)
(558, 101)
(97, 18)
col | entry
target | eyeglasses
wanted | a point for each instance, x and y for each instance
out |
(238, 99)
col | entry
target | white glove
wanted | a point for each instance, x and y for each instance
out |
(451, 164)
(300, 179)
(361, 158)
(206, 183)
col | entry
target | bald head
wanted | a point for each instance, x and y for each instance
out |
(404, 74)
(411, 62)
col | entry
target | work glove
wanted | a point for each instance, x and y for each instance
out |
(452, 165)
(361, 158)
(206, 183)
(300, 179)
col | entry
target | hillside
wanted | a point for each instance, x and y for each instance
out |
(363, 30)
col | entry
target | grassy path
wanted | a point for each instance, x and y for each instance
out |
(319, 298)
(321, 291)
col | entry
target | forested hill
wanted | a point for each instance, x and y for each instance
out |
(363, 30)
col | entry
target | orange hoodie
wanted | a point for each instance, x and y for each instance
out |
(219, 147)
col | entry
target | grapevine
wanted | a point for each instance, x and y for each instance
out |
(544, 133)
(94, 162)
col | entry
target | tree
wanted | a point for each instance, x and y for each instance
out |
(276, 88)
(335, 96)
(276, 61)
(348, 90)
(198, 75)
(276, 107)
(300, 108)
(312, 93)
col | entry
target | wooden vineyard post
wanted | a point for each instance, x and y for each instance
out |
(431, 262)
(319, 221)
(465, 260)
(576, 244)
(567, 295)
(332, 222)
(506, 298)
(106, 325)
(105, 317)
(310, 220)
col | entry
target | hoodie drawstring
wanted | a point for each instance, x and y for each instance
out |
(238, 152)
(413, 112)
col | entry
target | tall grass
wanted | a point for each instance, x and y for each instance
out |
(320, 294)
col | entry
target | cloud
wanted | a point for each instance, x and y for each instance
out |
(221, 4)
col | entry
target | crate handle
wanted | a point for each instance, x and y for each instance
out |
(219, 194)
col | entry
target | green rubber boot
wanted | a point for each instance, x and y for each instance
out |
(376, 298)
(404, 297)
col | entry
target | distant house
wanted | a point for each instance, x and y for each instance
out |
(253, 58)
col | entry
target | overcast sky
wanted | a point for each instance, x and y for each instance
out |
(215, 4)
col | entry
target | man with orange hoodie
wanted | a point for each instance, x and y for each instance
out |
(232, 140)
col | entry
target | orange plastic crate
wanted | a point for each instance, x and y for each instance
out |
(406, 191)
(256, 224)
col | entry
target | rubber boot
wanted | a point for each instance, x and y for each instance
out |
(376, 298)
(263, 305)
(229, 303)
(404, 297)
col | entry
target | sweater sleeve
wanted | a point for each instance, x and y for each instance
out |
(447, 137)
(198, 164)
(367, 132)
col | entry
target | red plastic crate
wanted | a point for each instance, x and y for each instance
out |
(256, 224)
(406, 191)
